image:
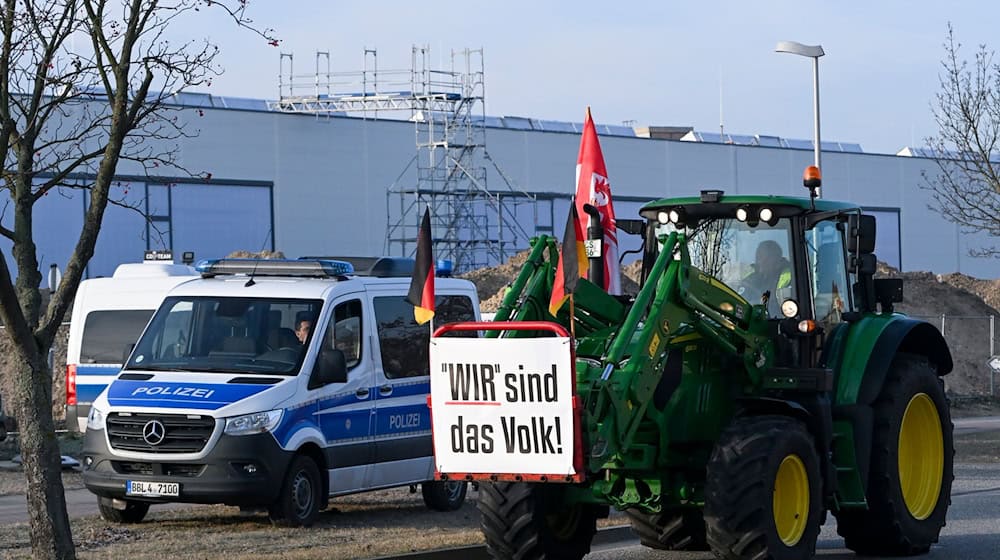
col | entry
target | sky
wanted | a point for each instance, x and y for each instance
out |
(658, 63)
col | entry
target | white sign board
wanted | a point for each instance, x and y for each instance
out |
(994, 363)
(502, 405)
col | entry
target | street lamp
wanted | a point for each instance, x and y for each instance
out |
(813, 52)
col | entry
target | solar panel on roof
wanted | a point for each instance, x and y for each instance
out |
(742, 139)
(798, 144)
(619, 130)
(770, 141)
(190, 99)
(556, 126)
(517, 123)
(244, 103)
(851, 147)
(829, 146)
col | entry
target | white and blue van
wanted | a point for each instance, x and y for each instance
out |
(108, 316)
(276, 384)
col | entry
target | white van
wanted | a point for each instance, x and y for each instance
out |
(108, 316)
(226, 398)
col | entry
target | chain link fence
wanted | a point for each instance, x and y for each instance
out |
(973, 340)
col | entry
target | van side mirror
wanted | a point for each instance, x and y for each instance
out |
(330, 367)
(861, 234)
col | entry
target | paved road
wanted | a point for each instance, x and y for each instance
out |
(973, 425)
(82, 502)
(14, 508)
(972, 533)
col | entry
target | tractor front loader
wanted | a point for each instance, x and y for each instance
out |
(758, 380)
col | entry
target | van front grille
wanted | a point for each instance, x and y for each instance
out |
(141, 432)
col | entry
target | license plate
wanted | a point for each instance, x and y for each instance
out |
(155, 489)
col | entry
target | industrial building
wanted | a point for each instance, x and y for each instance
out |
(328, 173)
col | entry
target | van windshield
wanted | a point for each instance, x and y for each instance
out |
(227, 335)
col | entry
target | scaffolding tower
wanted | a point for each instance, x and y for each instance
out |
(470, 225)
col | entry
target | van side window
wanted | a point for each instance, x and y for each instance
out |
(107, 334)
(344, 331)
(404, 344)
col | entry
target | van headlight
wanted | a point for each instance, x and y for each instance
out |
(95, 420)
(256, 423)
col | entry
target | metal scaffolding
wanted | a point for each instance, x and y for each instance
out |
(471, 225)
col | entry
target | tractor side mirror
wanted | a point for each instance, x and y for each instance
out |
(861, 234)
(865, 265)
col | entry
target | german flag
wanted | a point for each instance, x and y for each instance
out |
(568, 271)
(422, 284)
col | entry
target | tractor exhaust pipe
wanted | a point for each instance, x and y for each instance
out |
(594, 245)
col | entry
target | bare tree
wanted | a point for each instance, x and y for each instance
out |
(966, 187)
(84, 86)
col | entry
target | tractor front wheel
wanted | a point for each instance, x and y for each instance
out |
(523, 521)
(762, 496)
(669, 530)
(909, 483)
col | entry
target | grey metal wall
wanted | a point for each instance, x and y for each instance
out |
(330, 177)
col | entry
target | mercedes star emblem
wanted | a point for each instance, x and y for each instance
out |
(153, 432)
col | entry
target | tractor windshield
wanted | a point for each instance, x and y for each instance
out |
(753, 260)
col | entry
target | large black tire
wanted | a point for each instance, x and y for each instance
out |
(763, 498)
(899, 523)
(523, 521)
(440, 495)
(669, 530)
(134, 512)
(301, 495)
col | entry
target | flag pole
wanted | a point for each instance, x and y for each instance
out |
(572, 322)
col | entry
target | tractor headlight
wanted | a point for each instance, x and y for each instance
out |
(95, 420)
(789, 308)
(256, 423)
(742, 214)
(766, 214)
(663, 217)
(675, 216)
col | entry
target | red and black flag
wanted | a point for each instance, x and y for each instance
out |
(568, 271)
(422, 284)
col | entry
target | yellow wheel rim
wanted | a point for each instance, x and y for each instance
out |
(791, 500)
(921, 456)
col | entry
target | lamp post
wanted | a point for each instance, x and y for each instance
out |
(813, 52)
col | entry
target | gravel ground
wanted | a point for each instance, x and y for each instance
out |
(367, 525)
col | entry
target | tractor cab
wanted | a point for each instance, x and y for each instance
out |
(797, 258)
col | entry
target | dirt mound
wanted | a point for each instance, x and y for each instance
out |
(492, 282)
(955, 304)
(965, 302)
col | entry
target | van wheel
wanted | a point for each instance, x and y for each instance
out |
(301, 494)
(134, 512)
(444, 495)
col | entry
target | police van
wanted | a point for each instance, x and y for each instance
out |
(276, 384)
(108, 316)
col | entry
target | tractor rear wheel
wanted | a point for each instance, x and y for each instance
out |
(523, 521)
(909, 483)
(669, 530)
(763, 496)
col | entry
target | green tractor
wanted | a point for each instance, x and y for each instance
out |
(758, 380)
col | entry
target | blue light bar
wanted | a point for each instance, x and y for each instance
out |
(444, 268)
(275, 267)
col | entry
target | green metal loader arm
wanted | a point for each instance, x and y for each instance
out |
(676, 294)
